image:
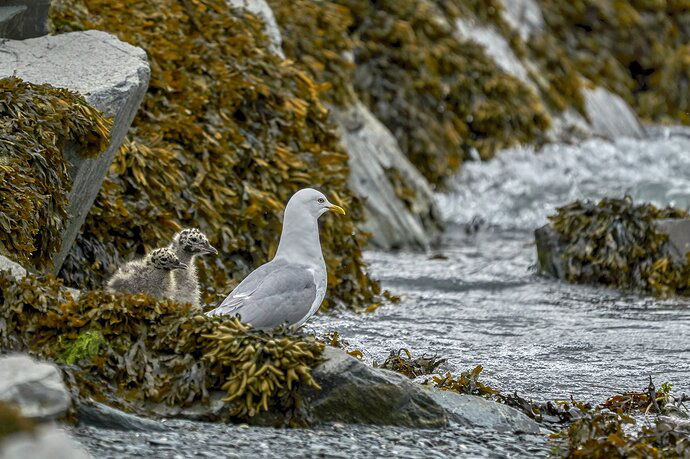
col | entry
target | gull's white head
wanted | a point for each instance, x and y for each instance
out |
(309, 201)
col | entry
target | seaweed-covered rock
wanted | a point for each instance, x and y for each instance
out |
(110, 74)
(618, 244)
(47, 442)
(261, 9)
(228, 132)
(36, 388)
(352, 392)
(610, 116)
(474, 411)
(398, 202)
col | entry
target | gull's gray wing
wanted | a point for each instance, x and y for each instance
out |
(273, 294)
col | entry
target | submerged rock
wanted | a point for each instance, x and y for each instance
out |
(36, 388)
(398, 214)
(110, 74)
(48, 442)
(355, 393)
(474, 411)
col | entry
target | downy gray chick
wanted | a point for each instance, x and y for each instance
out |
(151, 274)
(187, 245)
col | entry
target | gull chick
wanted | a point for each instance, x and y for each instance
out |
(288, 289)
(151, 274)
(187, 245)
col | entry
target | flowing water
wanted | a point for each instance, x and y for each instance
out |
(476, 299)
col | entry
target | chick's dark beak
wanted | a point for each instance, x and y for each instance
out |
(180, 265)
(210, 249)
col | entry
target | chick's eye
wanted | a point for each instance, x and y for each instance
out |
(321, 200)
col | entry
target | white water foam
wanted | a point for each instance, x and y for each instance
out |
(520, 187)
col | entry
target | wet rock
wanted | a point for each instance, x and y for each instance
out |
(549, 251)
(373, 151)
(11, 18)
(354, 393)
(110, 74)
(36, 388)
(96, 414)
(15, 268)
(524, 16)
(610, 116)
(214, 409)
(473, 411)
(550, 246)
(32, 23)
(48, 443)
(264, 11)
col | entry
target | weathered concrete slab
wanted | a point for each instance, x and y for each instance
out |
(11, 18)
(610, 116)
(112, 75)
(373, 150)
(33, 22)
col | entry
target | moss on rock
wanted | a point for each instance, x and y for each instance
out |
(36, 124)
(615, 243)
(155, 351)
(227, 132)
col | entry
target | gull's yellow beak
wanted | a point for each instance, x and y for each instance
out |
(337, 209)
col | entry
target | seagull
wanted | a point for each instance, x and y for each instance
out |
(289, 288)
(152, 275)
(187, 245)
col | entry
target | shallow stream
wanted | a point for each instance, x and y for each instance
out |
(476, 299)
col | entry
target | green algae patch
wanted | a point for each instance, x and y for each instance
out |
(637, 49)
(226, 133)
(156, 352)
(12, 422)
(442, 98)
(37, 122)
(84, 348)
(616, 243)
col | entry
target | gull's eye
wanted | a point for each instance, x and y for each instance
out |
(321, 200)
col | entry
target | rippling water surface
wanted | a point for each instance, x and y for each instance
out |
(481, 302)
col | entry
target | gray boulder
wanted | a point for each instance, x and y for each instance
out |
(473, 411)
(33, 22)
(373, 151)
(354, 393)
(15, 268)
(110, 74)
(48, 442)
(36, 388)
(610, 116)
